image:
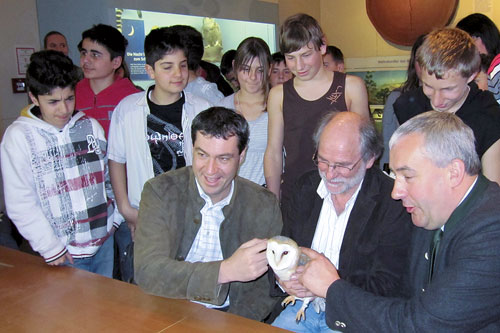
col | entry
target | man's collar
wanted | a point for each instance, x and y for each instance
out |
(468, 191)
(474, 193)
(208, 200)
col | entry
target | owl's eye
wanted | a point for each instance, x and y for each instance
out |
(285, 253)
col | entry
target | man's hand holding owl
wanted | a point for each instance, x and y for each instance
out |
(318, 274)
(294, 287)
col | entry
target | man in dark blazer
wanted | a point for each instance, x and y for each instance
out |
(455, 253)
(345, 210)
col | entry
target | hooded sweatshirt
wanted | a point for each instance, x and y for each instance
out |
(56, 185)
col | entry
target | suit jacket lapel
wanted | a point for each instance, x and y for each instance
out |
(193, 217)
(312, 221)
(360, 216)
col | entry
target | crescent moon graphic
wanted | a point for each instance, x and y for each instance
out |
(131, 32)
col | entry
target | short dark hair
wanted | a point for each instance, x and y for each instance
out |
(226, 63)
(479, 25)
(298, 31)
(336, 53)
(160, 42)
(220, 122)
(49, 69)
(50, 33)
(277, 58)
(194, 44)
(107, 36)
(486, 60)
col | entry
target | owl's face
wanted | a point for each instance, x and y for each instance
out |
(283, 255)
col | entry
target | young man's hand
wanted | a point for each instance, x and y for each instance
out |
(247, 263)
(62, 260)
(131, 216)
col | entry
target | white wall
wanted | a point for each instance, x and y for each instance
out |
(18, 27)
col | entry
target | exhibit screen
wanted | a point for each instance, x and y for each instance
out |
(219, 35)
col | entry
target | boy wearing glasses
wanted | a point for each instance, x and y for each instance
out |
(345, 210)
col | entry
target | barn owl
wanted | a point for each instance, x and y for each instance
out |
(284, 255)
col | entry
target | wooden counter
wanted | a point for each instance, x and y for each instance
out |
(35, 297)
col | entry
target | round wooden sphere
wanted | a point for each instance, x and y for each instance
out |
(402, 21)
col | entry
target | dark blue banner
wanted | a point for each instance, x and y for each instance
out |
(133, 30)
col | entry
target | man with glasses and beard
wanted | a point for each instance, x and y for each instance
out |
(345, 211)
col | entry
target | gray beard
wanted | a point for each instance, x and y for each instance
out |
(348, 182)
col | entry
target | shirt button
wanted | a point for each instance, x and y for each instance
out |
(426, 255)
(423, 290)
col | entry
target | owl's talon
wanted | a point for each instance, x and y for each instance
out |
(288, 300)
(301, 314)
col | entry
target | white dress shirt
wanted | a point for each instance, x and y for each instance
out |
(331, 226)
(206, 245)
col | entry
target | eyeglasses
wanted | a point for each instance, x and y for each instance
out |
(335, 166)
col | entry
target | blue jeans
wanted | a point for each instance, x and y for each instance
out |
(100, 263)
(6, 232)
(314, 322)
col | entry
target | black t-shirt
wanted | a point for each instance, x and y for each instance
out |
(165, 136)
(480, 112)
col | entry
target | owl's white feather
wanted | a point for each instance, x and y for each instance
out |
(284, 255)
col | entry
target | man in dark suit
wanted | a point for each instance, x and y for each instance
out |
(346, 212)
(455, 253)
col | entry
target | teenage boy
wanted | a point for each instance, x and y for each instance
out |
(296, 106)
(333, 60)
(164, 113)
(102, 50)
(279, 72)
(54, 170)
(226, 68)
(197, 85)
(450, 61)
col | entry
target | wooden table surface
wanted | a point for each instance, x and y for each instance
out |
(35, 297)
